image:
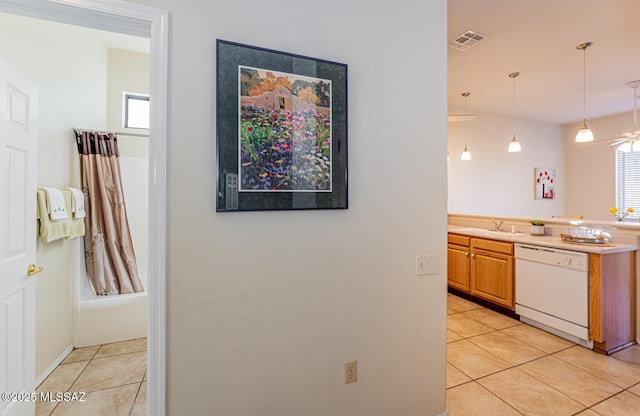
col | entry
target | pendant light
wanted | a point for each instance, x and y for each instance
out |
(514, 145)
(584, 134)
(466, 155)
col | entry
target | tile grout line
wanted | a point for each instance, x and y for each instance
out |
(135, 399)
(554, 354)
(88, 362)
(499, 398)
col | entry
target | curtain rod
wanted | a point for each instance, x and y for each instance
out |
(117, 133)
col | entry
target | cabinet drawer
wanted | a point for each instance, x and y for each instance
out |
(492, 245)
(461, 240)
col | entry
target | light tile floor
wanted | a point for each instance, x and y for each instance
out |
(112, 376)
(499, 366)
(495, 366)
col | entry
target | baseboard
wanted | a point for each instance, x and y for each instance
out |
(445, 413)
(487, 304)
(53, 365)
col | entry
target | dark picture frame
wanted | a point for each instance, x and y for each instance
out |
(281, 140)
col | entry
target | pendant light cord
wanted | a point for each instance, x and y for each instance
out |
(514, 75)
(635, 107)
(583, 47)
(466, 122)
(514, 106)
(584, 85)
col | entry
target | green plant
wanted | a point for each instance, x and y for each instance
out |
(536, 222)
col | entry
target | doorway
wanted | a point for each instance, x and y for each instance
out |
(128, 18)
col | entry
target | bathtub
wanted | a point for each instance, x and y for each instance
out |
(105, 319)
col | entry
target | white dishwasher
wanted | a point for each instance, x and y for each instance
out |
(552, 291)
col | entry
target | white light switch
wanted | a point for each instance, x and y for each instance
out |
(426, 265)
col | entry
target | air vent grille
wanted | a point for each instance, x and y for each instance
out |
(466, 40)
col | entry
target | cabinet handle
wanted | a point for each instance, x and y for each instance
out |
(466, 253)
(473, 254)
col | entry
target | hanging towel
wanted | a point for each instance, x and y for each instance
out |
(55, 203)
(50, 230)
(77, 203)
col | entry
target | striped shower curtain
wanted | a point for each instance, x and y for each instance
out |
(109, 256)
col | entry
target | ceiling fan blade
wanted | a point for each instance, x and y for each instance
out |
(454, 118)
(633, 133)
(615, 142)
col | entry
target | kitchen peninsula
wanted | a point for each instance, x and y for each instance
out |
(584, 292)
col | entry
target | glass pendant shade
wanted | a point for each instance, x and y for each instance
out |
(629, 146)
(624, 147)
(466, 155)
(584, 134)
(514, 146)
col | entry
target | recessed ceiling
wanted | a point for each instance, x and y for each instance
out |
(539, 39)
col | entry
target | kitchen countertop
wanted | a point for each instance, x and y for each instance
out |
(546, 240)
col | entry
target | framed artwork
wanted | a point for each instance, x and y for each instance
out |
(281, 140)
(544, 183)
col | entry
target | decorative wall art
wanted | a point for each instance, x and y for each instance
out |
(281, 130)
(544, 185)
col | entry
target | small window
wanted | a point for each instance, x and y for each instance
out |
(136, 111)
(628, 181)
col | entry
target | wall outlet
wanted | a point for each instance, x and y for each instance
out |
(426, 265)
(351, 372)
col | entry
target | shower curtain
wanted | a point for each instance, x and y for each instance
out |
(109, 256)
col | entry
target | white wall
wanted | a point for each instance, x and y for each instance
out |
(264, 308)
(495, 182)
(591, 167)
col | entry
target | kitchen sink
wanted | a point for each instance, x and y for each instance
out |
(503, 233)
(488, 233)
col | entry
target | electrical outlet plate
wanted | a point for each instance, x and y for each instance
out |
(351, 372)
(426, 265)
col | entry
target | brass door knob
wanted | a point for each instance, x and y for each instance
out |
(33, 270)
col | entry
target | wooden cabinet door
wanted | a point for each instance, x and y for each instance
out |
(458, 267)
(491, 277)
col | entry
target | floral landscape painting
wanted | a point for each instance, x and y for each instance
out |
(284, 134)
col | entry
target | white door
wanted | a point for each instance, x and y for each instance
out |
(18, 144)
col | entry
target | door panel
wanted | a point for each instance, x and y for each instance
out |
(18, 145)
(492, 278)
(458, 267)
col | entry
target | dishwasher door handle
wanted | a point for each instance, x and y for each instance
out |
(548, 250)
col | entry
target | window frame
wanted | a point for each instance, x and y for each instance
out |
(126, 96)
(627, 182)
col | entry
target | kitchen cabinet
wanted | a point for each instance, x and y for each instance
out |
(491, 271)
(458, 262)
(612, 302)
(482, 268)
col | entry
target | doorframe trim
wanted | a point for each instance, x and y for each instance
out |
(133, 19)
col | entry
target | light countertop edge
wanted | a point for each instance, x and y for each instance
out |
(545, 241)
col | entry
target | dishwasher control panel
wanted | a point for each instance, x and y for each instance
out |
(574, 260)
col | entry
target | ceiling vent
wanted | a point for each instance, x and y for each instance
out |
(466, 40)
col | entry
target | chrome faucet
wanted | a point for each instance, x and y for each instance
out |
(497, 225)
